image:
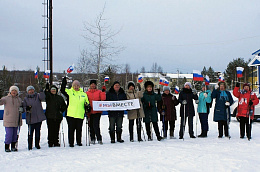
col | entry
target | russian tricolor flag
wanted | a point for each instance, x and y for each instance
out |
(70, 69)
(140, 79)
(221, 78)
(207, 80)
(35, 74)
(197, 76)
(47, 74)
(106, 78)
(240, 72)
(176, 90)
(164, 82)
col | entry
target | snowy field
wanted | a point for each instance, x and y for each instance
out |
(200, 154)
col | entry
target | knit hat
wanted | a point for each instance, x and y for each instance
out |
(93, 81)
(147, 83)
(188, 83)
(131, 83)
(53, 87)
(30, 87)
(165, 88)
(14, 88)
(116, 82)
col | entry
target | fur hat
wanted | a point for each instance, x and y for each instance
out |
(116, 82)
(53, 87)
(131, 83)
(188, 83)
(165, 88)
(246, 84)
(30, 87)
(93, 81)
(14, 88)
(147, 83)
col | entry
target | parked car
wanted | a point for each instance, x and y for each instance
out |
(233, 109)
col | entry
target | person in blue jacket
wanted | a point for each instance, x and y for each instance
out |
(186, 97)
(203, 109)
(223, 102)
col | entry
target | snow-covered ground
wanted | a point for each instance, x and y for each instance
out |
(200, 154)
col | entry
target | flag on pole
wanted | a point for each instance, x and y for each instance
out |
(176, 90)
(140, 79)
(221, 78)
(70, 69)
(207, 80)
(47, 74)
(240, 72)
(35, 74)
(164, 82)
(197, 76)
(106, 78)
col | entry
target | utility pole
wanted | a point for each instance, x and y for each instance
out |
(50, 43)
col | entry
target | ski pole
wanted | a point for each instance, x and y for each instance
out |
(18, 129)
(86, 131)
(88, 135)
(62, 132)
(184, 122)
(196, 113)
(228, 122)
(142, 129)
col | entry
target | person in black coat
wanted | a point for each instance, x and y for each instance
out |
(186, 97)
(115, 93)
(55, 106)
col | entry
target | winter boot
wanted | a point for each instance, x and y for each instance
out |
(7, 148)
(172, 134)
(93, 141)
(159, 138)
(13, 148)
(165, 134)
(112, 137)
(56, 145)
(192, 136)
(131, 136)
(118, 135)
(37, 143)
(100, 142)
(30, 142)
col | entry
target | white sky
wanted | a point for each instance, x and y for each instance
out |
(184, 34)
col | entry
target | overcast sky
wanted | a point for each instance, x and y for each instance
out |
(184, 34)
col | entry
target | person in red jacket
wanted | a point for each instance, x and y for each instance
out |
(95, 95)
(246, 103)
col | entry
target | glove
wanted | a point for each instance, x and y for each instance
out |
(216, 86)
(28, 108)
(250, 103)
(20, 109)
(227, 104)
(64, 80)
(184, 102)
(194, 91)
(47, 86)
(237, 84)
(205, 95)
(158, 91)
(87, 107)
(197, 101)
(104, 88)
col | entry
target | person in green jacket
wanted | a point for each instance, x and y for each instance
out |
(149, 100)
(77, 102)
(203, 109)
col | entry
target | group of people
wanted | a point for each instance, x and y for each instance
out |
(79, 104)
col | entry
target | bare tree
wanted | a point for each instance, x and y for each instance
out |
(142, 69)
(103, 48)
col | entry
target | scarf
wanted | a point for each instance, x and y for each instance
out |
(223, 95)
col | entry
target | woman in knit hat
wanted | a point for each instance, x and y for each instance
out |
(135, 114)
(247, 100)
(149, 103)
(34, 115)
(167, 110)
(12, 117)
(186, 97)
(94, 116)
(77, 102)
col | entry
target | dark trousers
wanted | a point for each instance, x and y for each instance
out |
(222, 124)
(74, 124)
(11, 135)
(190, 123)
(31, 128)
(53, 131)
(94, 126)
(244, 122)
(155, 127)
(167, 123)
(115, 121)
(138, 128)
(204, 121)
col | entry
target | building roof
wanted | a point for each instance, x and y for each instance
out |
(168, 75)
(175, 75)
